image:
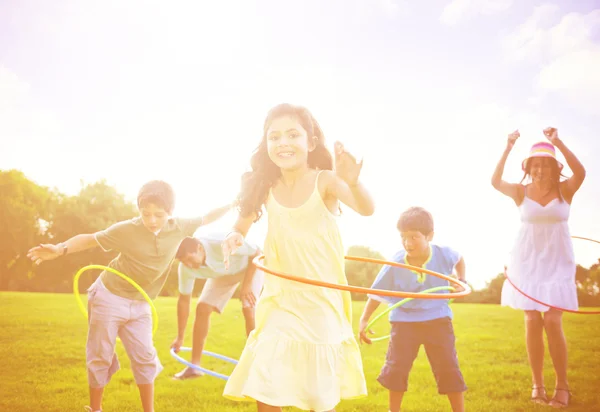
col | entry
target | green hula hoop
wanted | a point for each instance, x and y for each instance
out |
(398, 304)
(122, 276)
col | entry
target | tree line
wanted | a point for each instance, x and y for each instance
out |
(31, 214)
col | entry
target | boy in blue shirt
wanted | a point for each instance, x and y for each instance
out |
(419, 322)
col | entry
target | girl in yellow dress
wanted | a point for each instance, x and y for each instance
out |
(302, 352)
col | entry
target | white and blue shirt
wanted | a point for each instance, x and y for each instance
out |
(441, 260)
(214, 266)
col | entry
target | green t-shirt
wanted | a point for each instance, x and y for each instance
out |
(144, 257)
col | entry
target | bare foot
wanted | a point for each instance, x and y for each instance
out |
(188, 373)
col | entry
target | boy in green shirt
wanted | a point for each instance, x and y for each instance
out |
(147, 245)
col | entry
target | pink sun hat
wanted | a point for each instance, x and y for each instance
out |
(542, 149)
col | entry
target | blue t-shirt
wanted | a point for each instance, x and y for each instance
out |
(441, 260)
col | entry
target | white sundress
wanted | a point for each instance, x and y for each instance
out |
(542, 262)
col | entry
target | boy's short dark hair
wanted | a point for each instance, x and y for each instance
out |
(159, 193)
(416, 218)
(187, 246)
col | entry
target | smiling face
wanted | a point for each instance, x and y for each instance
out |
(288, 143)
(542, 169)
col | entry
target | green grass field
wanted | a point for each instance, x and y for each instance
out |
(42, 353)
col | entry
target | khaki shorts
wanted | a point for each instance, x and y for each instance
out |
(218, 291)
(131, 320)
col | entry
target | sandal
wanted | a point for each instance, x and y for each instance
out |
(555, 403)
(541, 395)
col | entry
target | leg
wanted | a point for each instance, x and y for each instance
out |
(263, 407)
(439, 339)
(457, 401)
(201, 326)
(104, 320)
(534, 335)
(557, 346)
(395, 399)
(96, 398)
(136, 336)
(215, 295)
(147, 396)
(402, 351)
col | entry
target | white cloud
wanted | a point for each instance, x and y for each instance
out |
(543, 37)
(574, 76)
(565, 50)
(460, 10)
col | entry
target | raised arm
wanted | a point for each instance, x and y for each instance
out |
(41, 253)
(572, 184)
(344, 184)
(512, 190)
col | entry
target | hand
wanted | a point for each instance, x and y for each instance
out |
(346, 166)
(512, 138)
(247, 297)
(552, 135)
(44, 252)
(176, 345)
(362, 332)
(233, 241)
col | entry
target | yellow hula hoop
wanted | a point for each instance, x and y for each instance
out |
(122, 276)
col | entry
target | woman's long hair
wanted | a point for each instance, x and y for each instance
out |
(257, 182)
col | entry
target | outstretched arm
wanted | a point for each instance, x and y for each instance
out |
(216, 214)
(183, 314)
(41, 253)
(235, 238)
(511, 190)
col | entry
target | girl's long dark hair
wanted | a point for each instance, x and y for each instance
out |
(257, 182)
(555, 175)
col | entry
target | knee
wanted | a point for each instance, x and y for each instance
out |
(145, 365)
(100, 368)
(533, 319)
(203, 310)
(553, 320)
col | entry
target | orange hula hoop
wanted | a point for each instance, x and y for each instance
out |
(358, 289)
(577, 312)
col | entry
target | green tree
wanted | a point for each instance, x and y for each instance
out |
(25, 207)
(96, 207)
(361, 273)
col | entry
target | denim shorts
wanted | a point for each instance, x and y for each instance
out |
(437, 336)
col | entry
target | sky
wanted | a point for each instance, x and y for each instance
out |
(425, 92)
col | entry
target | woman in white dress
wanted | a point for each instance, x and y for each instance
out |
(541, 263)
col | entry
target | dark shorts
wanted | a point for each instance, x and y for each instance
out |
(438, 338)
